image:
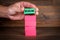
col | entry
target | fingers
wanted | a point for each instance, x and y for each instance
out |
(17, 17)
(27, 4)
(15, 8)
(19, 7)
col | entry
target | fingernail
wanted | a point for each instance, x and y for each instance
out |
(37, 13)
(37, 9)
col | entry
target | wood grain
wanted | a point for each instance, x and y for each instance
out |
(49, 13)
(17, 33)
(48, 22)
(36, 2)
(49, 16)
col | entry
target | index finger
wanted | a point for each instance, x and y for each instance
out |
(30, 5)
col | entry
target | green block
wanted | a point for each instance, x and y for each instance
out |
(29, 11)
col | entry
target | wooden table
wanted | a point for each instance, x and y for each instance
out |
(48, 22)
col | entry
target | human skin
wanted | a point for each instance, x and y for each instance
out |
(15, 11)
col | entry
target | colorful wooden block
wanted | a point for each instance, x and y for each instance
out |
(29, 11)
(30, 22)
(30, 25)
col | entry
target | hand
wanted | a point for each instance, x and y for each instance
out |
(16, 10)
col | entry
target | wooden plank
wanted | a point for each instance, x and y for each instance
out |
(56, 2)
(36, 2)
(49, 16)
(16, 33)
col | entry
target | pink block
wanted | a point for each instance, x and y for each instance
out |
(30, 25)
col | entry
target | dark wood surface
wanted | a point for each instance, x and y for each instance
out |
(48, 22)
(17, 33)
(49, 14)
